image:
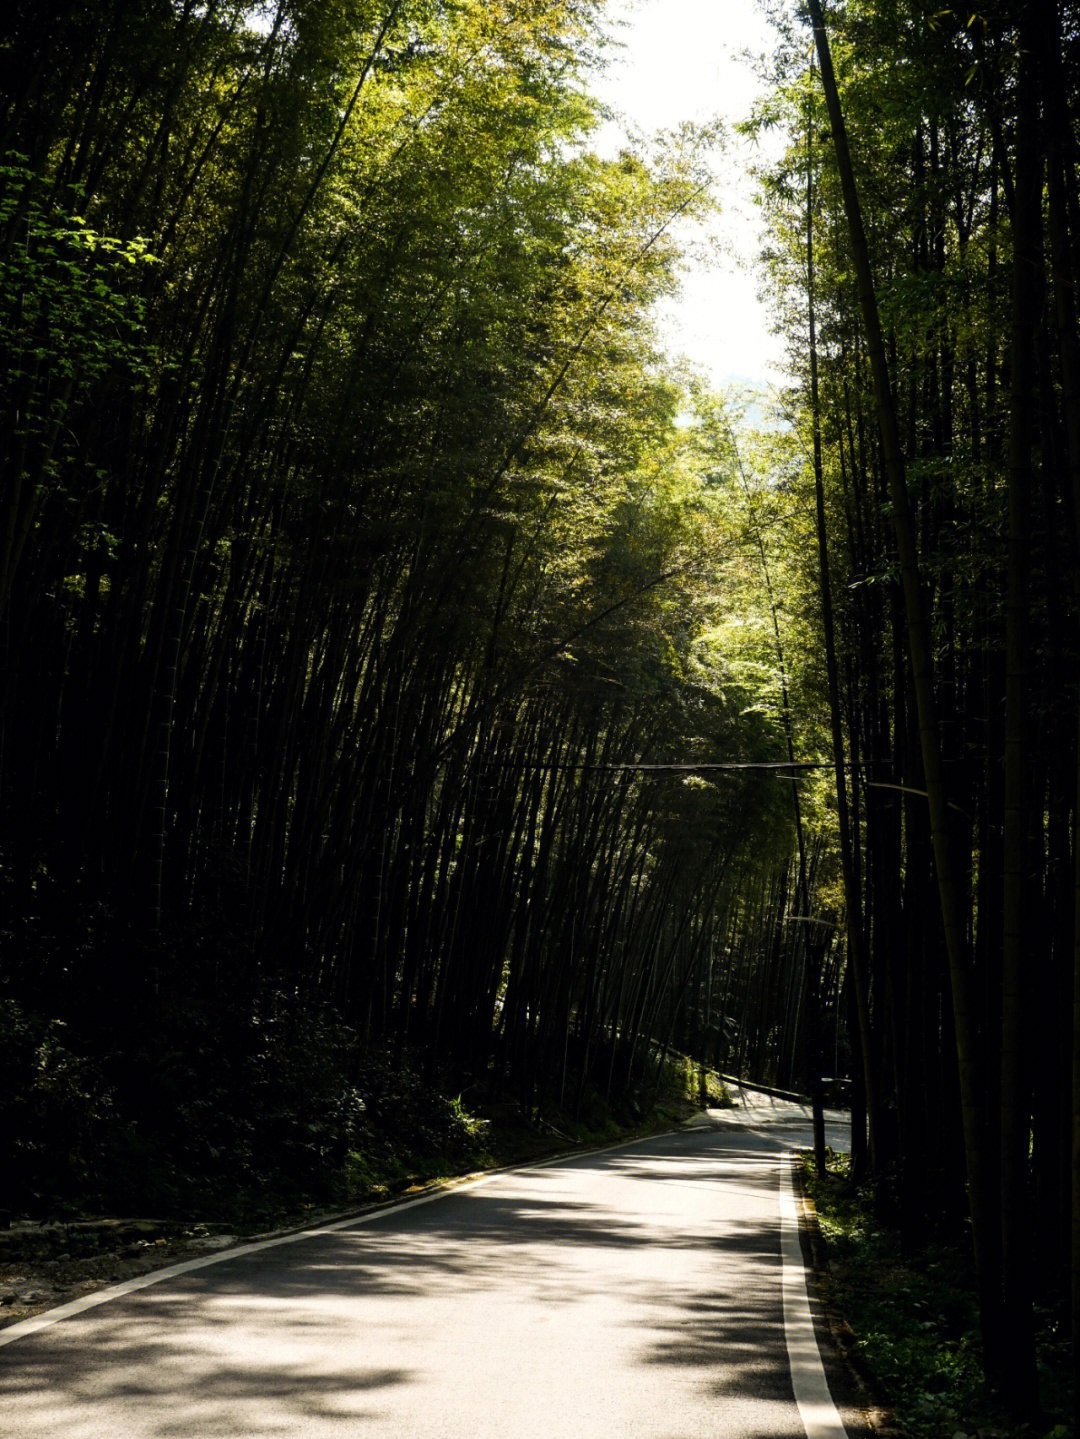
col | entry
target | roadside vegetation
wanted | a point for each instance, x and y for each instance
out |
(313, 1119)
(909, 1319)
(393, 1136)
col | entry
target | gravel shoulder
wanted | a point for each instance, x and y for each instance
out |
(49, 1265)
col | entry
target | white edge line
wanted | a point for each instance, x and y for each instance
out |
(49, 1317)
(815, 1403)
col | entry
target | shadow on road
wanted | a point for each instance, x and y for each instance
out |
(670, 1264)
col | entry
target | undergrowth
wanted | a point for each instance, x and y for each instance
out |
(250, 1119)
(914, 1318)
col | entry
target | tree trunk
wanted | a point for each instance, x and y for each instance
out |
(852, 905)
(1019, 1377)
(984, 1235)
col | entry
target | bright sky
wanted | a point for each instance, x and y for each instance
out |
(683, 60)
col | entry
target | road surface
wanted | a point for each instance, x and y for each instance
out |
(634, 1293)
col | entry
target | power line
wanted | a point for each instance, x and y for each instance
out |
(771, 766)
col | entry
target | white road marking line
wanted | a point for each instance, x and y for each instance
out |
(143, 1281)
(50, 1317)
(816, 1408)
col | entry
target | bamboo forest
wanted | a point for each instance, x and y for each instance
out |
(430, 710)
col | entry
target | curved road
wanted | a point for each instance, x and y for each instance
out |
(633, 1292)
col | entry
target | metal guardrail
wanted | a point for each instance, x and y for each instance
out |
(766, 1089)
(834, 1100)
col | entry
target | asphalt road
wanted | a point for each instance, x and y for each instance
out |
(632, 1292)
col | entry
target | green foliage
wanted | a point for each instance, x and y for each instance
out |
(70, 315)
(223, 1121)
(55, 1107)
(914, 1318)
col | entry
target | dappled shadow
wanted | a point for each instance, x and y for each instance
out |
(176, 1387)
(630, 1275)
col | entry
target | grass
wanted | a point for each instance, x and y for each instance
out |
(915, 1326)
